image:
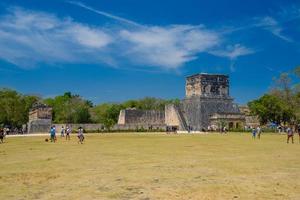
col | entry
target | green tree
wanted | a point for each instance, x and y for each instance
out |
(14, 107)
(107, 114)
(70, 108)
(270, 108)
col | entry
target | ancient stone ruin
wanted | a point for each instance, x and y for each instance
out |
(207, 105)
(40, 118)
(141, 119)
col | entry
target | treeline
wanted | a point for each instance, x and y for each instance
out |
(281, 105)
(70, 108)
(14, 107)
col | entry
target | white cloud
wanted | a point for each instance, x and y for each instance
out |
(27, 38)
(105, 14)
(233, 51)
(169, 46)
(270, 24)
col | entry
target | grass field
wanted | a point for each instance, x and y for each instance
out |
(153, 166)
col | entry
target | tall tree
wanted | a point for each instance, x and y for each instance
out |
(70, 108)
(14, 107)
(270, 108)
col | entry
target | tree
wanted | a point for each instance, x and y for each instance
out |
(270, 108)
(14, 107)
(70, 108)
(107, 114)
(149, 103)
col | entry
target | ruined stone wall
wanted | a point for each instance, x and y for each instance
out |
(142, 117)
(100, 127)
(40, 119)
(171, 117)
(134, 127)
(40, 113)
(121, 119)
(39, 126)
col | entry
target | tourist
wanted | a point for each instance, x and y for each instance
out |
(1, 135)
(52, 134)
(24, 128)
(5, 131)
(258, 131)
(298, 129)
(225, 129)
(68, 132)
(62, 132)
(254, 132)
(290, 134)
(279, 128)
(209, 128)
(80, 135)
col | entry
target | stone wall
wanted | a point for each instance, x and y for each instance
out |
(171, 116)
(121, 119)
(137, 127)
(39, 126)
(40, 118)
(141, 117)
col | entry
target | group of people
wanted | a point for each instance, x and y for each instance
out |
(289, 131)
(66, 132)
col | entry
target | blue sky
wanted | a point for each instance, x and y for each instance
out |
(111, 51)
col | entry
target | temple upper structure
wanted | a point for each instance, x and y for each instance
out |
(207, 85)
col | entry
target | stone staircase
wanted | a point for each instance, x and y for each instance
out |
(181, 118)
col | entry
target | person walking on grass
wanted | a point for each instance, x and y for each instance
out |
(258, 131)
(254, 133)
(290, 134)
(80, 135)
(68, 132)
(52, 134)
(62, 132)
(298, 130)
(1, 135)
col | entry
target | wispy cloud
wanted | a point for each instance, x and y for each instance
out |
(169, 46)
(233, 52)
(120, 19)
(28, 38)
(270, 24)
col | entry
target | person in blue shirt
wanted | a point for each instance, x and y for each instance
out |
(254, 133)
(52, 134)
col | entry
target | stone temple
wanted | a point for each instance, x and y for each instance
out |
(207, 105)
(40, 118)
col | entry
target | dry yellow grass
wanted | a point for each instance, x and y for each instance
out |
(154, 166)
